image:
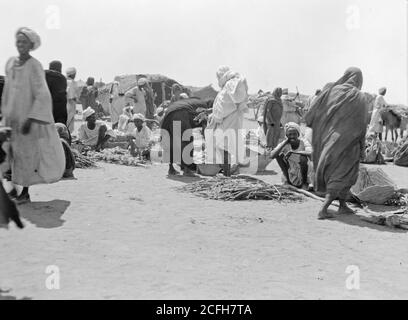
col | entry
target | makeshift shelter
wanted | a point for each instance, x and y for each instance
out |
(161, 85)
(207, 92)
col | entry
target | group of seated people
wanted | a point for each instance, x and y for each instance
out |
(96, 133)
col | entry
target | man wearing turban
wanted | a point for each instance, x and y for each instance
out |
(35, 154)
(293, 156)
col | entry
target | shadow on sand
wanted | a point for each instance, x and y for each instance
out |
(8, 297)
(355, 220)
(184, 179)
(45, 214)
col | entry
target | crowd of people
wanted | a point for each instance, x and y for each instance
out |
(40, 107)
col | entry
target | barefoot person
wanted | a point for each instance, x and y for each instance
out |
(92, 132)
(36, 154)
(293, 156)
(338, 118)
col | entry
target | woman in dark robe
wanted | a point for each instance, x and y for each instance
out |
(65, 138)
(338, 118)
(272, 118)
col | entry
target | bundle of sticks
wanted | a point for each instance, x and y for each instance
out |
(82, 161)
(117, 156)
(240, 188)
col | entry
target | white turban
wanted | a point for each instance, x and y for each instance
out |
(31, 35)
(88, 112)
(224, 74)
(139, 116)
(71, 71)
(292, 125)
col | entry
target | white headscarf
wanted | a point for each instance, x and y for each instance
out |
(31, 35)
(224, 74)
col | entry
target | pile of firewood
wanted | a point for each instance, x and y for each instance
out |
(117, 156)
(240, 188)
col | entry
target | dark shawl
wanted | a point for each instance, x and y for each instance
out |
(57, 84)
(338, 118)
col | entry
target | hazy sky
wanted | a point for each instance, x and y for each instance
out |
(272, 42)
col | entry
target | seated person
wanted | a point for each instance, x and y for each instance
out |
(125, 120)
(293, 156)
(140, 139)
(69, 157)
(92, 132)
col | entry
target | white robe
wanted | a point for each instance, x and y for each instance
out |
(37, 157)
(229, 108)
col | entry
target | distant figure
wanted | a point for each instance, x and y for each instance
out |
(89, 94)
(272, 118)
(176, 91)
(27, 109)
(72, 98)
(289, 109)
(117, 103)
(145, 87)
(260, 133)
(136, 97)
(57, 84)
(293, 156)
(66, 144)
(376, 125)
(2, 80)
(338, 118)
(125, 123)
(140, 138)
(92, 132)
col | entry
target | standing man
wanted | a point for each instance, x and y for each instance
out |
(27, 109)
(227, 119)
(376, 123)
(147, 90)
(289, 108)
(272, 118)
(72, 98)
(57, 84)
(1, 87)
(136, 97)
(89, 94)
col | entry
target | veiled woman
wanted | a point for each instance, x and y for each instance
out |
(338, 118)
(35, 154)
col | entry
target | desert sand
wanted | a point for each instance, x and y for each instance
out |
(121, 232)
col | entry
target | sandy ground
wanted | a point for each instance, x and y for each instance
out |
(127, 233)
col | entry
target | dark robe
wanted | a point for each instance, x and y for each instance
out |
(57, 84)
(181, 111)
(338, 118)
